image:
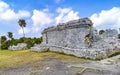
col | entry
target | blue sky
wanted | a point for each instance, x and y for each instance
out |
(40, 14)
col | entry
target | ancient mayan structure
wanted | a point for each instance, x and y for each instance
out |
(79, 38)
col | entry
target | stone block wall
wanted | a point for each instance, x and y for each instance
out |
(72, 38)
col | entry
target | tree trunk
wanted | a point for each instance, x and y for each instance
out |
(23, 32)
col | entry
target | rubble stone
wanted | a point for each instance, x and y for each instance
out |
(19, 46)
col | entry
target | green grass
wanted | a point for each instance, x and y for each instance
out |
(10, 58)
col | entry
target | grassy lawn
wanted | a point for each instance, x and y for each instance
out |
(10, 58)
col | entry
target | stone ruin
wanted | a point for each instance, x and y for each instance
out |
(79, 38)
(19, 46)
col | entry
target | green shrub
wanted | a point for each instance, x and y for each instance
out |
(6, 44)
(3, 39)
(118, 36)
(101, 32)
(38, 40)
(15, 41)
(29, 41)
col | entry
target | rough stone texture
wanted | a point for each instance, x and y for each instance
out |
(40, 48)
(19, 46)
(110, 33)
(79, 38)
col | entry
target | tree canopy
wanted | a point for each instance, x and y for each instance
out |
(10, 35)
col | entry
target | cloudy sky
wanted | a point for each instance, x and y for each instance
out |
(40, 14)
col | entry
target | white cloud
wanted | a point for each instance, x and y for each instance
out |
(26, 30)
(41, 19)
(3, 6)
(23, 14)
(66, 14)
(107, 18)
(9, 16)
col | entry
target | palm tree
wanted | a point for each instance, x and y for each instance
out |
(10, 35)
(22, 24)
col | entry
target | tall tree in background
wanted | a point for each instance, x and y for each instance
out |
(10, 35)
(22, 24)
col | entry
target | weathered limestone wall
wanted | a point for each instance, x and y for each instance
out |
(71, 38)
(109, 33)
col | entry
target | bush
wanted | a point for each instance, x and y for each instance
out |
(38, 40)
(22, 39)
(15, 41)
(101, 32)
(3, 39)
(29, 41)
(6, 44)
(118, 36)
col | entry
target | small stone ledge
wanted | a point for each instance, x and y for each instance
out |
(39, 49)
